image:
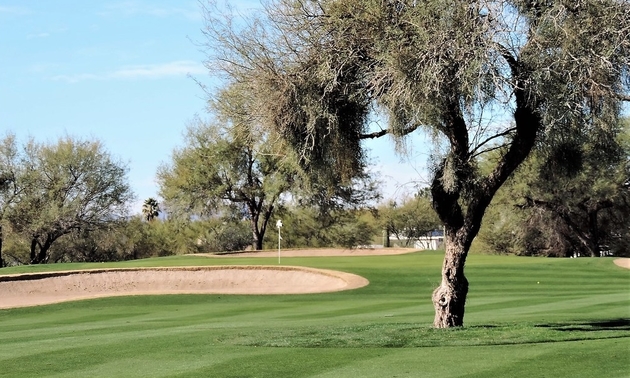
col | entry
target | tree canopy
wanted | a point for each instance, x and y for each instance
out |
(508, 76)
(227, 169)
(570, 200)
(66, 186)
(150, 209)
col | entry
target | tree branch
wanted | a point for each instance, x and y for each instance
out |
(378, 134)
(474, 153)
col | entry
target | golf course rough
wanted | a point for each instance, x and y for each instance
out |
(31, 289)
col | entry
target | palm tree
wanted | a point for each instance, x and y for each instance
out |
(150, 209)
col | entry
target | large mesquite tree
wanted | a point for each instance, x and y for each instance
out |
(228, 165)
(221, 171)
(506, 76)
(68, 186)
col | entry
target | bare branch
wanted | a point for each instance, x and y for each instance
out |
(479, 153)
(496, 136)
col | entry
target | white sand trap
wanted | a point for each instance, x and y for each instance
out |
(21, 290)
(623, 262)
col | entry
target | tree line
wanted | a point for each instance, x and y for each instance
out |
(69, 201)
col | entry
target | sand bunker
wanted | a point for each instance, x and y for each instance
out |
(623, 262)
(21, 290)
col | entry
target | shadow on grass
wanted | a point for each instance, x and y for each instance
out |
(622, 324)
(409, 335)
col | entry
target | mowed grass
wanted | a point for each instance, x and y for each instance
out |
(530, 317)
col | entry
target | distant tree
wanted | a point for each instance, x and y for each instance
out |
(412, 219)
(308, 227)
(228, 165)
(573, 198)
(505, 75)
(150, 209)
(587, 208)
(13, 181)
(76, 185)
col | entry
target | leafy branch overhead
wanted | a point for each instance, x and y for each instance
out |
(482, 76)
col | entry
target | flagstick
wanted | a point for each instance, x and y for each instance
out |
(279, 226)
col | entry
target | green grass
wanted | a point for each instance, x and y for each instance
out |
(529, 317)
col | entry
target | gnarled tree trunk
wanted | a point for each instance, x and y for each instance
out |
(41, 256)
(449, 299)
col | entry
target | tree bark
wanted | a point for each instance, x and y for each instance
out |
(34, 259)
(257, 239)
(1, 239)
(449, 299)
(254, 214)
(593, 228)
(41, 256)
(258, 242)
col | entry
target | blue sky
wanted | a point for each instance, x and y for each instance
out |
(120, 72)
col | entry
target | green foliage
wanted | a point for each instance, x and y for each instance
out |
(150, 209)
(317, 70)
(309, 227)
(221, 235)
(135, 238)
(352, 235)
(226, 168)
(70, 186)
(11, 184)
(412, 219)
(566, 200)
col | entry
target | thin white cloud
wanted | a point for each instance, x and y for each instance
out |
(160, 70)
(38, 35)
(76, 78)
(40, 68)
(14, 10)
(132, 8)
(149, 71)
(47, 33)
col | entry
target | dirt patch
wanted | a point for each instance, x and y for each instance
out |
(623, 262)
(317, 252)
(22, 290)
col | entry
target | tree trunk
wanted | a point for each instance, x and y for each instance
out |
(593, 228)
(253, 225)
(257, 238)
(34, 251)
(38, 257)
(1, 239)
(449, 298)
(258, 242)
(43, 253)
